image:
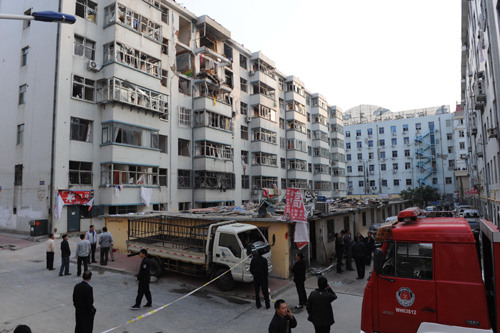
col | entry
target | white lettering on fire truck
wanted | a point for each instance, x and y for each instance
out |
(407, 311)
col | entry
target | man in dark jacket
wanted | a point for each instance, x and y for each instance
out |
(83, 300)
(65, 253)
(283, 320)
(359, 254)
(299, 277)
(348, 250)
(259, 270)
(370, 245)
(319, 306)
(339, 250)
(144, 278)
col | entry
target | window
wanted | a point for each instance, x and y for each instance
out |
(369, 132)
(163, 177)
(231, 243)
(163, 144)
(461, 145)
(83, 89)
(361, 183)
(381, 142)
(396, 182)
(408, 182)
(213, 149)
(407, 166)
(245, 181)
(84, 47)
(27, 23)
(183, 147)
(450, 149)
(360, 168)
(370, 143)
(184, 206)
(448, 180)
(347, 145)
(380, 130)
(360, 156)
(18, 174)
(86, 9)
(80, 173)
(394, 166)
(115, 132)
(382, 154)
(184, 117)
(129, 174)
(347, 134)
(405, 128)
(408, 260)
(330, 228)
(244, 85)
(243, 61)
(164, 46)
(393, 129)
(244, 108)
(418, 126)
(394, 153)
(359, 144)
(406, 140)
(244, 132)
(358, 133)
(394, 141)
(24, 56)
(461, 134)
(449, 136)
(384, 182)
(349, 169)
(22, 94)
(164, 13)
(20, 134)
(122, 209)
(348, 157)
(80, 130)
(383, 167)
(183, 178)
(370, 155)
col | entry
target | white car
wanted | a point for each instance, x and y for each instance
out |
(430, 208)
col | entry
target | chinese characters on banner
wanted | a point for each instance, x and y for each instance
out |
(66, 197)
(296, 212)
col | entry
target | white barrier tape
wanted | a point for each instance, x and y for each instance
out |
(174, 301)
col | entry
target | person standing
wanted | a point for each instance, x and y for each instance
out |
(83, 300)
(283, 320)
(359, 253)
(82, 254)
(91, 236)
(51, 249)
(105, 242)
(144, 278)
(370, 246)
(348, 250)
(259, 270)
(65, 253)
(319, 306)
(299, 277)
(339, 250)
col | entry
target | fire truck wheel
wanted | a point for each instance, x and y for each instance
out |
(225, 282)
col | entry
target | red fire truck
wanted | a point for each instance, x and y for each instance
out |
(430, 277)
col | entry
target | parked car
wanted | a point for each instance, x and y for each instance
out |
(461, 208)
(472, 216)
(430, 208)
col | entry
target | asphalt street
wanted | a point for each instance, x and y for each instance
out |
(37, 297)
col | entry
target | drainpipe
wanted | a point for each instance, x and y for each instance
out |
(54, 114)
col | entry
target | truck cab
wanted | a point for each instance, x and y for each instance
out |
(232, 245)
(427, 273)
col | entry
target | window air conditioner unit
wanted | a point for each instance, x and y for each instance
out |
(374, 188)
(249, 118)
(372, 172)
(394, 133)
(93, 66)
(492, 132)
(251, 72)
(394, 170)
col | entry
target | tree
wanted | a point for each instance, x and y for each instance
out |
(419, 196)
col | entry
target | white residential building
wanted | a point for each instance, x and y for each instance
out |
(144, 102)
(387, 152)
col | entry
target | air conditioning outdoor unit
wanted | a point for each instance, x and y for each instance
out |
(93, 66)
(249, 118)
(251, 72)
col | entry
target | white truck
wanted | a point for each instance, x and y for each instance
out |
(198, 247)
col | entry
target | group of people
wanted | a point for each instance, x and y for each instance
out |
(319, 310)
(360, 249)
(85, 250)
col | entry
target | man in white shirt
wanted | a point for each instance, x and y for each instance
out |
(91, 236)
(51, 249)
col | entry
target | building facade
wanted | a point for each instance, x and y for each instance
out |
(480, 79)
(142, 105)
(387, 152)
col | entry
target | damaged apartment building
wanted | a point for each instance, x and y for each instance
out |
(142, 105)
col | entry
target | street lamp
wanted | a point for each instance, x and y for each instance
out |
(45, 16)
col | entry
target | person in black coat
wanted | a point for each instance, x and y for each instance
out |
(283, 320)
(370, 246)
(65, 253)
(299, 277)
(359, 254)
(144, 277)
(339, 250)
(348, 250)
(83, 300)
(319, 306)
(259, 270)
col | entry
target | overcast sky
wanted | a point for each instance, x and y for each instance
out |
(397, 54)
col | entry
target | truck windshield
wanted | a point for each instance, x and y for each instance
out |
(408, 260)
(255, 239)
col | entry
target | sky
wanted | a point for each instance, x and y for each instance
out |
(396, 54)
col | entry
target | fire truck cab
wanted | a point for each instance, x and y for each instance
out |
(427, 277)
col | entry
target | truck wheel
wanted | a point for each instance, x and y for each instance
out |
(225, 282)
(155, 268)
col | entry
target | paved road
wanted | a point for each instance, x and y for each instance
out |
(43, 300)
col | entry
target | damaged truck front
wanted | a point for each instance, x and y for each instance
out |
(198, 247)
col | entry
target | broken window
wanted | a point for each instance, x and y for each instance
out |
(323, 136)
(163, 177)
(122, 91)
(321, 169)
(263, 89)
(183, 178)
(184, 147)
(185, 86)
(262, 66)
(18, 174)
(164, 77)
(84, 47)
(184, 32)
(164, 13)
(262, 111)
(261, 134)
(131, 57)
(320, 119)
(164, 46)
(133, 21)
(184, 116)
(296, 125)
(81, 129)
(83, 88)
(163, 144)
(213, 149)
(260, 158)
(243, 108)
(128, 174)
(244, 132)
(228, 52)
(245, 181)
(295, 164)
(294, 87)
(214, 180)
(294, 144)
(243, 61)
(243, 85)
(297, 183)
(322, 186)
(115, 132)
(295, 106)
(86, 9)
(259, 182)
(80, 173)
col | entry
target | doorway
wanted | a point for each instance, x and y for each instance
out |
(73, 218)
